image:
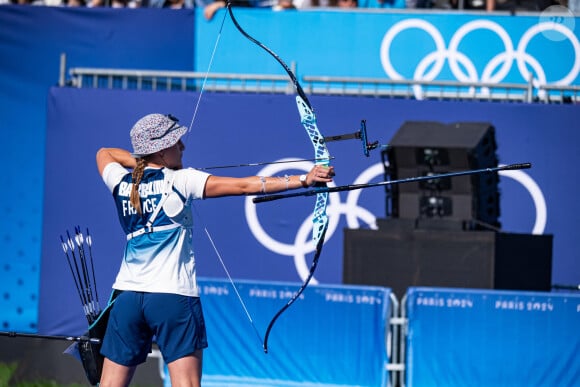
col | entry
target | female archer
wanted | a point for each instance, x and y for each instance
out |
(158, 294)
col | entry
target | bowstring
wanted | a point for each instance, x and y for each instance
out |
(207, 73)
(222, 262)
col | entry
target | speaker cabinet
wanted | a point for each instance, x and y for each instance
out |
(421, 148)
(400, 258)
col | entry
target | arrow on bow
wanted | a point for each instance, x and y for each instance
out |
(257, 164)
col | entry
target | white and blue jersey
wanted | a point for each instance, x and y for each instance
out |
(159, 255)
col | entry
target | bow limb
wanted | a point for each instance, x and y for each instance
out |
(293, 78)
(321, 230)
(321, 154)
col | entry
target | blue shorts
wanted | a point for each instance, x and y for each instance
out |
(136, 318)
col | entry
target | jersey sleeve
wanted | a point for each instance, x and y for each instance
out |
(113, 174)
(191, 183)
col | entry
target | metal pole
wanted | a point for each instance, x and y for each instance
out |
(62, 70)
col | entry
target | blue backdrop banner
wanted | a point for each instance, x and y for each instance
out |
(492, 338)
(331, 336)
(270, 241)
(446, 45)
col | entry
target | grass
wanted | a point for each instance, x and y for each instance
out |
(7, 370)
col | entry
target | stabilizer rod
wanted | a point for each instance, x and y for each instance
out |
(351, 187)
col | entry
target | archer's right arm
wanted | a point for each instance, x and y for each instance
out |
(106, 156)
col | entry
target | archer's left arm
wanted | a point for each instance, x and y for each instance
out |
(217, 186)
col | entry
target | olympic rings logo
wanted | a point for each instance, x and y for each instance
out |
(354, 213)
(463, 68)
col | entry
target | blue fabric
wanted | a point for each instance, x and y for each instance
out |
(130, 220)
(176, 322)
(331, 336)
(462, 337)
(32, 40)
(520, 131)
(446, 45)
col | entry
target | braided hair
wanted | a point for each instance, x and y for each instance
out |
(137, 175)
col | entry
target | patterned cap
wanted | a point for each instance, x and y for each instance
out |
(155, 132)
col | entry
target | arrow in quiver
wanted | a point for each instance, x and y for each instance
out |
(88, 350)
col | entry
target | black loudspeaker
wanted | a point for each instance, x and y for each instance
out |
(401, 258)
(421, 148)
